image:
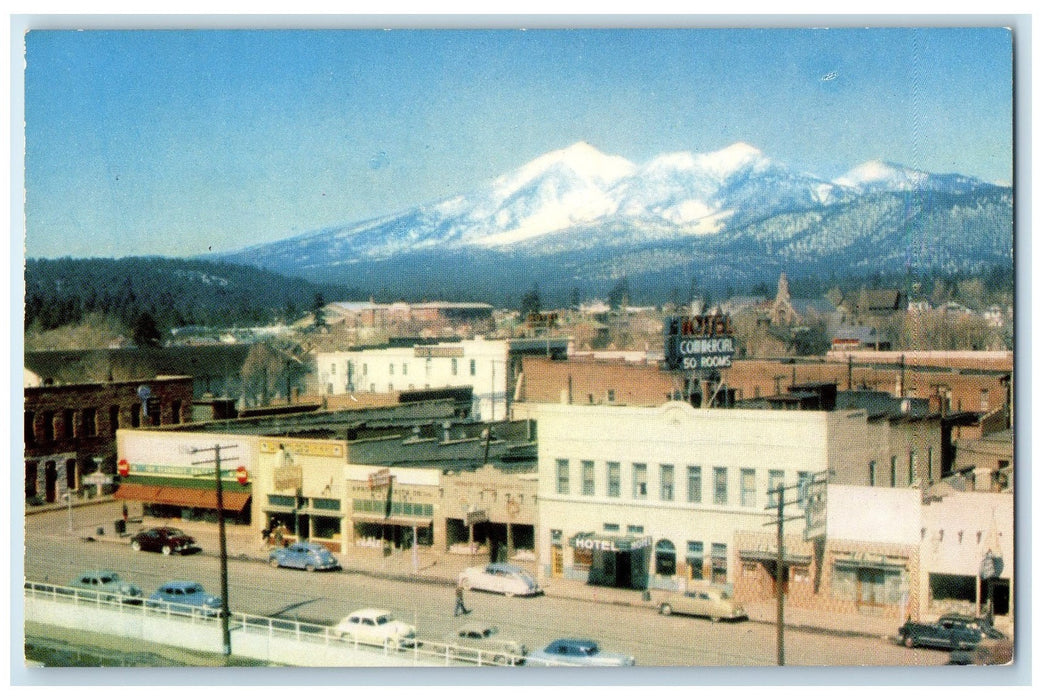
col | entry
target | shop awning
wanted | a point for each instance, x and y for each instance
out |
(608, 543)
(402, 520)
(188, 498)
(772, 556)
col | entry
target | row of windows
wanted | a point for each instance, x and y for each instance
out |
(365, 505)
(86, 422)
(696, 565)
(667, 474)
(454, 368)
(912, 466)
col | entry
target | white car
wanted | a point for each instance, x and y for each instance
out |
(507, 579)
(376, 627)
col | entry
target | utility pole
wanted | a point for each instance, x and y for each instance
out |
(813, 507)
(226, 635)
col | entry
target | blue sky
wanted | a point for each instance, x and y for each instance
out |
(180, 142)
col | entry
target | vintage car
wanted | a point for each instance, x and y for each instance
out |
(507, 579)
(304, 555)
(185, 598)
(162, 539)
(714, 603)
(376, 627)
(108, 585)
(951, 631)
(577, 652)
(466, 641)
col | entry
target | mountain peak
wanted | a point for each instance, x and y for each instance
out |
(579, 160)
(879, 172)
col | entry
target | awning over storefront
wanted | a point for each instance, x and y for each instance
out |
(378, 519)
(188, 498)
(608, 543)
(772, 556)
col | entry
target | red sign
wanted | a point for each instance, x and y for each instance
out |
(124, 467)
(241, 475)
(380, 479)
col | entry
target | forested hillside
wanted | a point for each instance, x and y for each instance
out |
(171, 291)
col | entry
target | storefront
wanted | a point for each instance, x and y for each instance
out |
(172, 475)
(871, 580)
(611, 560)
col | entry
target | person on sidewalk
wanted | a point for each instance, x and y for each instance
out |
(460, 608)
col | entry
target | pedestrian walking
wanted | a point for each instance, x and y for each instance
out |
(125, 512)
(461, 609)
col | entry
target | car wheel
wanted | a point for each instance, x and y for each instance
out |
(665, 609)
(166, 550)
(135, 545)
(310, 568)
(273, 563)
(908, 641)
(509, 594)
(499, 660)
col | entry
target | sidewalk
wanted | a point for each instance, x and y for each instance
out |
(244, 543)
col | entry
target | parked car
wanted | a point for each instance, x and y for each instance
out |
(479, 636)
(989, 652)
(304, 555)
(109, 583)
(577, 652)
(952, 631)
(186, 598)
(162, 539)
(713, 603)
(376, 627)
(507, 579)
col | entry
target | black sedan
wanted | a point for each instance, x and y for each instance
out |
(162, 539)
(949, 632)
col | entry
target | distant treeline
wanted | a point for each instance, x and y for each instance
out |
(174, 292)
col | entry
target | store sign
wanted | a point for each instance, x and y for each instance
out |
(990, 566)
(606, 545)
(813, 496)
(475, 516)
(289, 477)
(698, 342)
(379, 479)
(437, 351)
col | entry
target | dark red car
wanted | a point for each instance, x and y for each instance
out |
(162, 539)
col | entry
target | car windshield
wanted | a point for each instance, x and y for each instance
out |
(384, 619)
(171, 532)
(190, 590)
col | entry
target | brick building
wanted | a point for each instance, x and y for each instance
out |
(70, 429)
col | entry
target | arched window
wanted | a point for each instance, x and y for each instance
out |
(665, 558)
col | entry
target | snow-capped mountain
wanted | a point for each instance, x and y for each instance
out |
(577, 202)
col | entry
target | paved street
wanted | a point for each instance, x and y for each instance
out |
(56, 555)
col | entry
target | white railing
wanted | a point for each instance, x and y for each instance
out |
(267, 631)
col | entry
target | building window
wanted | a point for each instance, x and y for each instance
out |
(929, 464)
(775, 480)
(720, 486)
(455, 367)
(405, 368)
(802, 480)
(175, 412)
(90, 422)
(666, 482)
(365, 369)
(611, 396)
(872, 473)
(984, 399)
(562, 476)
(695, 559)
(69, 418)
(719, 574)
(614, 480)
(640, 481)
(473, 367)
(390, 369)
(135, 416)
(332, 369)
(634, 529)
(748, 488)
(694, 484)
(665, 558)
(911, 467)
(893, 472)
(588, 483)
(29, 433)
(611, 527)
(48, 427)
(114, 419)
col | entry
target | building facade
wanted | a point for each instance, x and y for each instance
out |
(638, 497)
(70, 429)
(489, 367)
